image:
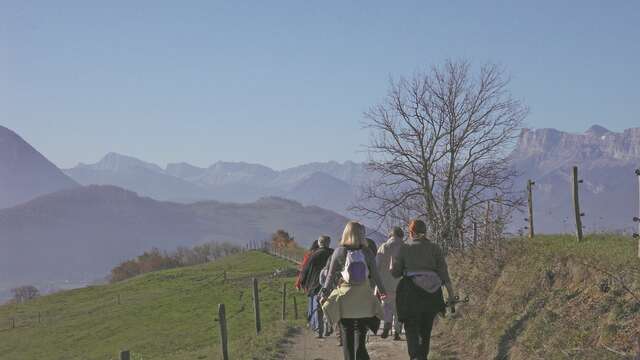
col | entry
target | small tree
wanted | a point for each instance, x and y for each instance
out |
(282, 239)
(24, 293)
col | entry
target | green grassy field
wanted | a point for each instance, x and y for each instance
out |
(163, 315)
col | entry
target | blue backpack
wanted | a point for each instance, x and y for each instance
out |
(355, 267)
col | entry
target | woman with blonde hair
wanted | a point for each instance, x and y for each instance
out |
(352, 304)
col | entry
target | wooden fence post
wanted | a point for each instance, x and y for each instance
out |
(224, 277)
(576, 204)
(637, 218)
(256, 304)
(284, 301)
(475, 233)
(530, 202)
(222, 318)
(487, 223)
(13, 323)
(39, 317)
(125, 355)
(118, 299)
(295, 308)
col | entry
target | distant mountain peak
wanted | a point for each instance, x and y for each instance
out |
(113, 161)
(24, 172)
(597, 130)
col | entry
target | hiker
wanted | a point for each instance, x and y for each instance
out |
(311, 282)
(327, 325)
(352, 304)
(305, 259)
(386, 252)
(419, 298)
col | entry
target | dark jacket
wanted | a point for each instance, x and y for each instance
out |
(412, 301)
(310, 274)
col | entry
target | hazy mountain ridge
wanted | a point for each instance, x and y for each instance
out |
(606, 159)
(81, 233)
(25, 173)
(332, 184)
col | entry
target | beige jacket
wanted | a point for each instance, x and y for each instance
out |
(352, 302)
(384, 258)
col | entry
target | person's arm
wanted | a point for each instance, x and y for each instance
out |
(334, 267)
(373, 269)
(397, 264)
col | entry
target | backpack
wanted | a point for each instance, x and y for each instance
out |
(355, 267)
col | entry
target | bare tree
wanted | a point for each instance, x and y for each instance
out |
(438, 147)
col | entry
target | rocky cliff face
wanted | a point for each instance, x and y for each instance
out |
(606, 161)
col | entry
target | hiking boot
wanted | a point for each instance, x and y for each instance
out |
(386, 331)
(396, 337)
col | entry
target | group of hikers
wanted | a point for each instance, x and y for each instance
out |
(355, 286)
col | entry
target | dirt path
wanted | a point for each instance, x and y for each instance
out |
(304, 346)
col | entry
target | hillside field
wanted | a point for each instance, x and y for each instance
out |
(163, 315)
(549, 298)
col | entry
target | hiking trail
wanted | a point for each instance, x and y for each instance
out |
(303, 345)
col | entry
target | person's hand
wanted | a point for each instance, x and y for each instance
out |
(383, 296)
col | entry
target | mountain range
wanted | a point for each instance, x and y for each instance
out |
(606, 159)
(331, 185)
(81, 233)
(77, 223)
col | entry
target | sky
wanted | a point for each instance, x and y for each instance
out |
(284, 83)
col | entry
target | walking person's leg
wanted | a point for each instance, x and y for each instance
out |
(397, 328)
(397, 325)
(309, 310)
(388, 307)
(348, 346)
(320, 321)
(361, 338)
(412, 332)
(426, 331)
(314, 313)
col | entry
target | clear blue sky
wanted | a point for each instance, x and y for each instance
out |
(285, 82)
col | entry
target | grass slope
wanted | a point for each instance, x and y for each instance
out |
(543, 300)
(162, 315)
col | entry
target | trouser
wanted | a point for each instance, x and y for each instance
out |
(390, 315)
(418, 333)
(316, 316)
(354, 337)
